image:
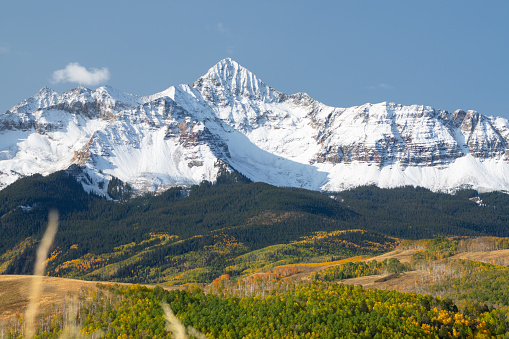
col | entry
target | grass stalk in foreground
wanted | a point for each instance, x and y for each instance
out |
(174, 325)
(42, 255)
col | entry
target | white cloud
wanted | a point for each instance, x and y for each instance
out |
(222, 29)
(74, 72)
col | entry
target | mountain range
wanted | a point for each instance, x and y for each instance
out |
(230, 120)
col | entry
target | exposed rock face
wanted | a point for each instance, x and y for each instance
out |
(386, 134)
(230, 119)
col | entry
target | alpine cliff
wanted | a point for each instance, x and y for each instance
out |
(229, 119)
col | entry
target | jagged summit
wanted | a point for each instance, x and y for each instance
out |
(45, 91)
(225, 70)
(77, 91)
(44, 97)
(228, 79)
(115, 97)
(230, 119)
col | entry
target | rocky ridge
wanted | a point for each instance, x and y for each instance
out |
(230, 119)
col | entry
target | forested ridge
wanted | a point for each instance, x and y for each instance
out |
(233, 227)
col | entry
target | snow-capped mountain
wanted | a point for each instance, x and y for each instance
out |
(230, 119)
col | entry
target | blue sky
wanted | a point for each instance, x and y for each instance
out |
(446, 54)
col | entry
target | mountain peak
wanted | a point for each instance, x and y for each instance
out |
(45, 91)
(229, 62)
(44, 97)
(226, 70)
(228, 79)
(80, 90)
(113, 95)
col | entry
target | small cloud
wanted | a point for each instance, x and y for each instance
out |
(230, 50)
(222, 29)
(4, 49)
(381, 86)
(74, 72)
(385, 86)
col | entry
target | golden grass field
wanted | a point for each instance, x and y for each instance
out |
(15, 289)
(500, 257)
(15, 292)
(406, 281)
(307, 269)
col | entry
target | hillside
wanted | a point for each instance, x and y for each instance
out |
(407, 281)
(233, 227)
(274, 305)
(55, 292)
